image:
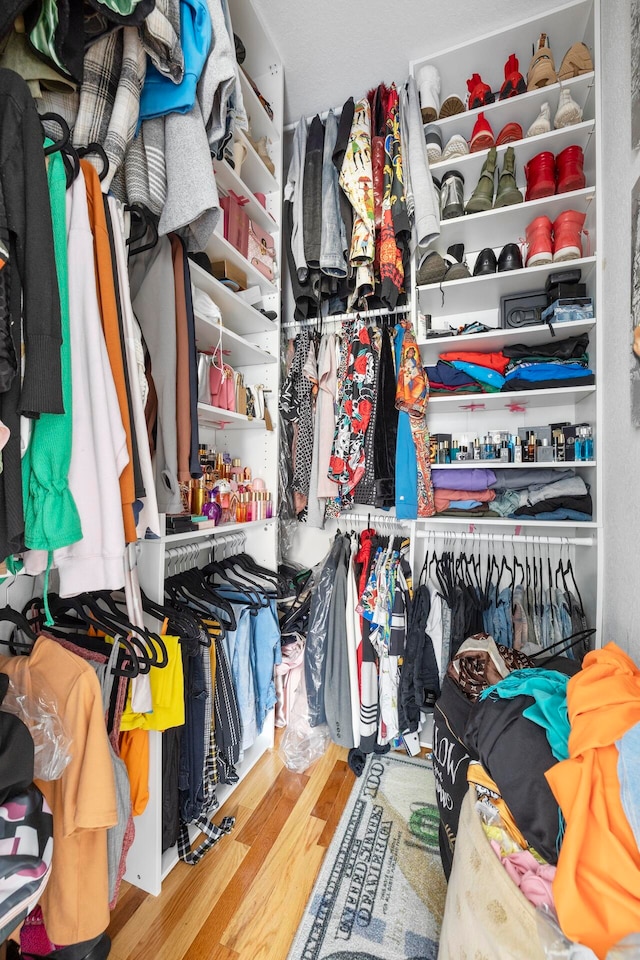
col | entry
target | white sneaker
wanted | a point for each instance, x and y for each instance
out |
(568, 111)
(456, 147)
(542, 123)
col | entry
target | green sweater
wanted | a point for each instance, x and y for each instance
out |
(50, 516)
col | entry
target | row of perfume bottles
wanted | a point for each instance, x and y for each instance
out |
(518, 450)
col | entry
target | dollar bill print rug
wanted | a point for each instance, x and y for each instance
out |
(381, 890)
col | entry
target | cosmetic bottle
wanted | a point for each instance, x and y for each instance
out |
(463, 454)
(532, 448)
(455, 449)
(558, 446)
(578, 444)
(477, 452)
(517, 451)
(505, 453)
(487, 449)
(269, 507)
(544, 452)
(212, 509)
(587, 444)
(447, 452)
(198, 494)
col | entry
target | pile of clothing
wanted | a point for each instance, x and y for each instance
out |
(540, 494)
(559, 363)
(550, 757)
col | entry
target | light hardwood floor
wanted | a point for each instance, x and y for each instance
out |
(245, 899)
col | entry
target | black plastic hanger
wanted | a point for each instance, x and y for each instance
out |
(94, 147)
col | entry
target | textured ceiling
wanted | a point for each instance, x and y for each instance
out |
(332, 49)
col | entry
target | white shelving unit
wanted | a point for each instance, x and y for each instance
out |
(250, 343)
(454, 304)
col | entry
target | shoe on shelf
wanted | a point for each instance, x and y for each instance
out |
(429, 90)
(486, 263)
(452, 195)
(457, 146)
(542, 70)
(482, 137)
(541, 176)
(433, 139)
(568, 112)
(567, 231)
(570, 170)
(510, 133)
(510, 258)
(482, 197)
(576, 61)
(437, 186)
(480, 93)
(432, 269)
(451, 106)
(539, 244)
(456, 264)
(508, 192)
(542, 123)
(513, 80)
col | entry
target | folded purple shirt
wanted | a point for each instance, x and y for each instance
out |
(477, 478)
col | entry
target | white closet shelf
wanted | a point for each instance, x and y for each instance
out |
(495, 340)
(470, 165)
(496, 465)
(470, 521)
(226, 419)
(256, 174)
(508, 224)
(228, 179)
(220, 249)
(237, 351)
(170, 538)
(532, 399)
(522, 109)
(260, 122)
(238, 315)
(485, 292)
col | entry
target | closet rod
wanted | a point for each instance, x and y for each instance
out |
(337, 317)
(195, 546)
(290, 127)
(498, 538)
(374, 520)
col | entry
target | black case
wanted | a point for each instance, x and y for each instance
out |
(523, 310)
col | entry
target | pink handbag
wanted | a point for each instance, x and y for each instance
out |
(223, 391)
(262, 251)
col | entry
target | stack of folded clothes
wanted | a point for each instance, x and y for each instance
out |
(544, 495)
(559, 363)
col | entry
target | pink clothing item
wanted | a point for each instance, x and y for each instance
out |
(325, 413)
(443, 498)
(534, 879)
(287, 676)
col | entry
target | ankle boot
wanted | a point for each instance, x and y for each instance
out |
(452, 195)
(567, 231)
(542, 123)
(513, 79)
(457, 268)
(577, 60)
(429, 89)
(541, 176)
(539, 244)
(542, 70)
(482, 137)
(570, 170)
(510, 133)
(480, 93)
(482, 197)
(508, 192)
(568, 112)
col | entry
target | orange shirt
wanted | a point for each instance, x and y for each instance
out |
(75, 903)
(597, 883)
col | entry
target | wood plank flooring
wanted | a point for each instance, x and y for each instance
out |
(245, 899)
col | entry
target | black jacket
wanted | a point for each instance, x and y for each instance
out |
(34, 301)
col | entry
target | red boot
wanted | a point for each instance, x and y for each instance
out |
(541, 176)
(539, 244)
(567, 232)
(482, 137)
(479, 93)
(513, 79)
(570, 170)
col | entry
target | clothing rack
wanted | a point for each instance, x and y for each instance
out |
(184, 555)
(290, 127)
(373, 520)
(498, 538)
(339, 317)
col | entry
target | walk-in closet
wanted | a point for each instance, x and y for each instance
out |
(319, 445)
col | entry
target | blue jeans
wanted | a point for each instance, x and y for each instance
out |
(237, 644)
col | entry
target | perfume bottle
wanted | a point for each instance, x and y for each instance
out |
(477, 452)
(517, 451)
(212, 509)
(545, 452)
(532, 448)
(455, 449)
(587, 444)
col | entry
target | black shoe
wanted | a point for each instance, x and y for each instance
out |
(510, 258)
(485, 263)
(456, 264)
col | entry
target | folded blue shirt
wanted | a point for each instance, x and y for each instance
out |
(548, 371)
(480, 373)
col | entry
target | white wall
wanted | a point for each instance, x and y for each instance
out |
(621, 447)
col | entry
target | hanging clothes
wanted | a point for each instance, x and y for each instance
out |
(347, 463)
(356, 179)
(395, 227)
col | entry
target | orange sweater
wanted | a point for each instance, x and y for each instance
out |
(597, 884)
(105, 285)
